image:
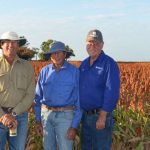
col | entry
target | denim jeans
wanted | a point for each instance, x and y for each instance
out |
(16, 142)
(93, 139)
(55, 126)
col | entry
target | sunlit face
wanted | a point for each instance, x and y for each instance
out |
(58, 58)
(9, 48)
(94, 48)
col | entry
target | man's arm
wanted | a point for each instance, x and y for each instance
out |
(111, 93)
(27, 100)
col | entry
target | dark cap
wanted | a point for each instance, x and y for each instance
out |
(95, 35)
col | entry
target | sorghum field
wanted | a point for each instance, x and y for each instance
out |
(132, 115)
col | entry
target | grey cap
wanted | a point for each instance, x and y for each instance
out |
(94, 35)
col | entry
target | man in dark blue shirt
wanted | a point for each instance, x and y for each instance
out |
(99, 93)
(57, 107)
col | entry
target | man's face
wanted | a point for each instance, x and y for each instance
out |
(94, 48)
(58, 58)
(9, 48)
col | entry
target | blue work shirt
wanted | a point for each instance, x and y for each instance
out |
(99, 83)
(58, 89)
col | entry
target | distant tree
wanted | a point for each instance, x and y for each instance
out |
(25, 52)
(45, 48)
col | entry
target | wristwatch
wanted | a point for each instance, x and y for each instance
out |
(14, 114)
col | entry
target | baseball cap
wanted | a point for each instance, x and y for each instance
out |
(95, 35)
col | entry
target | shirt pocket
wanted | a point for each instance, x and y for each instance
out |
(97, 76)
(21, 81)
(1, 88)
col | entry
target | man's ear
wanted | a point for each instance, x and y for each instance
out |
(65, 54)
(1, 43)
(101, 45)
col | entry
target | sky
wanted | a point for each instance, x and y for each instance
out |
(125, 24)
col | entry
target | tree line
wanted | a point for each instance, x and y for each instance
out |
(28, 53)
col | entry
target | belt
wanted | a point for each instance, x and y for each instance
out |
(7, 110)
(58, 108)
(92, 112)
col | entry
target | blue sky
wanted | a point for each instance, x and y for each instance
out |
(125, 24)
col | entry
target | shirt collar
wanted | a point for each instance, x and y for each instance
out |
(17, 59)
(101, 55)
(6, 66)
(99, 58)
(65, 65)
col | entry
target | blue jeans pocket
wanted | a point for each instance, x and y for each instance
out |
(68, 115)
(109, 122)
(2, 127)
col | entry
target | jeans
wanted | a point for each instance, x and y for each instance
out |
(16, 142)
(55, 126)
(93, 139)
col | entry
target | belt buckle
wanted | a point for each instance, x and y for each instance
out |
(88, 112)
(57, 109)
(91, 112)
(61, 109)
(94, 111)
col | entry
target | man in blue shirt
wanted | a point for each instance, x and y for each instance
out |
(57, 107)
(99, 93)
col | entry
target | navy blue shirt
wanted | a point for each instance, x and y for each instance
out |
(99, 83)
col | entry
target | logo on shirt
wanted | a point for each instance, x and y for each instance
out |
(99, 69)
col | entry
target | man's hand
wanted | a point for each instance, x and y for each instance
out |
(13, 125)
(8, 120)
(100, 123)
(39, 128)
(71, 133)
